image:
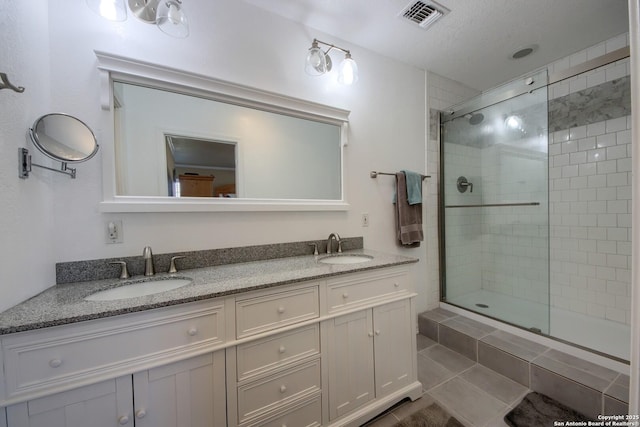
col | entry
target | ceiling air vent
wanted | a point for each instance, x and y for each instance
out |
(424, 14)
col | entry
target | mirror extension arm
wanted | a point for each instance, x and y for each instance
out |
(25, 164)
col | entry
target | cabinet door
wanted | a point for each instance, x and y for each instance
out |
(393, 346)
(351, 379)
(188, 393)
(106, 404)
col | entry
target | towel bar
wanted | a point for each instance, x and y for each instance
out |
(375, 174)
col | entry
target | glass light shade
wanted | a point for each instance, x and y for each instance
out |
(316, 63)
(171, 19)
(113, 10)
(348, 71)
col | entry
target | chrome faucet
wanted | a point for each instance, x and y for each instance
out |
(148, 261)
(337, 237)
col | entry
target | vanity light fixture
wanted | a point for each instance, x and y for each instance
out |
(168, 15)
(319, 62)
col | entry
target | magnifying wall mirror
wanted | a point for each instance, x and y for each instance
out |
(60, 137)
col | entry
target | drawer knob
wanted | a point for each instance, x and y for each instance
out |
(282, 349)
(396, 284)
(54, 363)
(123, 420)
(141, 413)
(283, 388)
(280, 310)
(192, 332)
(345, 295)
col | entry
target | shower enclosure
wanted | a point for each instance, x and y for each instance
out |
(535, 206)
(495, 203)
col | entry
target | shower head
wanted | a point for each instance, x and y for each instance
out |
(476, 118)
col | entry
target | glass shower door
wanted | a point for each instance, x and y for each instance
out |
(494, 188)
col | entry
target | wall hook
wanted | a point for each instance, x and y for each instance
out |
(6, 84)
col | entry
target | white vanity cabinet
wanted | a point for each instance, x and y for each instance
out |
(105, 404)
(371, 351)
(329, 352)
(276, 376)
(86, 373)
(188, 393)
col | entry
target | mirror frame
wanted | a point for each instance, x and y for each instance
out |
(117, 68)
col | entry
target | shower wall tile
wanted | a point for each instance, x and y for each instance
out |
(589, 215)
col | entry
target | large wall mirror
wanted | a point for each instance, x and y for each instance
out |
(185, 142)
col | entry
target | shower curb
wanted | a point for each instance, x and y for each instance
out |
(582, 385)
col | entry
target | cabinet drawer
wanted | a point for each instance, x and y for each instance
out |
(262, 396)
(274, 351)
(274, 310)
(344, 294)
(308, 414)
(55, 357)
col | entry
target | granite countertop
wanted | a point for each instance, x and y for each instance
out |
(64, 304)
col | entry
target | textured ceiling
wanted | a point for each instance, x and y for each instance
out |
(472, 44)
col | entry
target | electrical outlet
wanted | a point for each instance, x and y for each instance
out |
(365, 219)
(114, 232)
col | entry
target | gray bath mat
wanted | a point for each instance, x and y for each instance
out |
(539, 410)
(431, 416)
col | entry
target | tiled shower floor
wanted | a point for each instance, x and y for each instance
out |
(474, 394)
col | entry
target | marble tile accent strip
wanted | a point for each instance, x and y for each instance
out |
(434, 123)
(606, 101)
(99, 269)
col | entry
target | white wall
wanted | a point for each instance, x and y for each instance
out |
(26, 223)
(229, 40)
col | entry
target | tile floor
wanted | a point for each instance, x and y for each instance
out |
(474, 394)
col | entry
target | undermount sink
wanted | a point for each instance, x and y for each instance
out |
(139, 289)
(345, 259)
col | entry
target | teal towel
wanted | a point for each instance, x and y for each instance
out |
(414, 187)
